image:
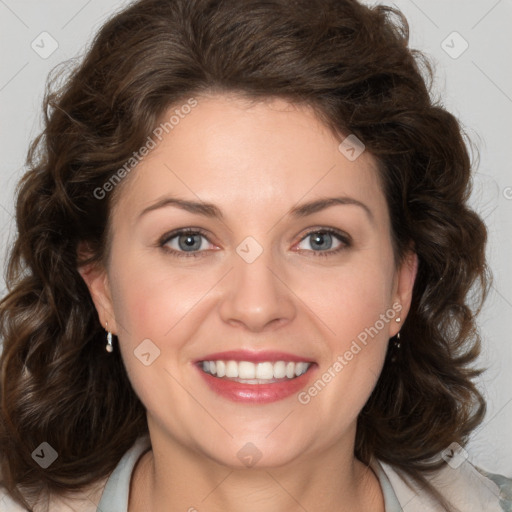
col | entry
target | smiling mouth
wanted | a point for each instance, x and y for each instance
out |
(247, 372)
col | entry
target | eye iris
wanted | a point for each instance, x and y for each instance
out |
(189, 242)
(321, 240)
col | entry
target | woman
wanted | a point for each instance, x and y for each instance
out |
(242, 271)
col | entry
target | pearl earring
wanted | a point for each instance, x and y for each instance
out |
(109, 347)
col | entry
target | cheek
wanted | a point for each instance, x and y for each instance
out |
(354, 305)
(351, 298)
(153, 307)
(355, 310)
(151, 300)
(166, 306)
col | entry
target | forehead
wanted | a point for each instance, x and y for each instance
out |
(258, 157)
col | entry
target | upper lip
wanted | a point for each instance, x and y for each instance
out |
(259, 356)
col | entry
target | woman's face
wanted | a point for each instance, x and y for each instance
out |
(289, 259)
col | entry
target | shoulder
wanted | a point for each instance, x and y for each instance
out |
(464, 485)
(7, 504)
(110, 493)
(83, 501)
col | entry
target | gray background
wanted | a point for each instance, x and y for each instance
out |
(474, 82)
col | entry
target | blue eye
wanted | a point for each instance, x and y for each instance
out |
(325, 242)
(185, 242)
(194, 243)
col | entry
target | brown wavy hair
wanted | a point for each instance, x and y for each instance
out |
(352, 64)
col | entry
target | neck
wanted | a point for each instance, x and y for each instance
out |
(194, 483)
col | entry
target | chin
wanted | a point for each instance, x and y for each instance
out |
(254, 452)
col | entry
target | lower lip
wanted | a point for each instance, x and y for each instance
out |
(256, 393)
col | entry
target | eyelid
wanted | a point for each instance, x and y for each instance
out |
(344, 238)
(167, 237)
(182, 231)
(333, 231)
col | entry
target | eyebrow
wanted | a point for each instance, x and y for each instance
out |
(201, 208)
(211, 211)
(321, 204)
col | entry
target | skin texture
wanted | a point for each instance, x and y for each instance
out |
(255, 162)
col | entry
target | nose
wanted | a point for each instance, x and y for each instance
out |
(256, 295)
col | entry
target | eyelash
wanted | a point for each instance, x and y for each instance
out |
(342, 237)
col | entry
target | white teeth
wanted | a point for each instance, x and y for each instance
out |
(265, 371)
(232, 369)
(300, 368)
(221, 368)
(249, 371)
(246, 370)
(279, 370)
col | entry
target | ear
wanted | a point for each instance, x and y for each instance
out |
(96, 279)
(404, 285)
